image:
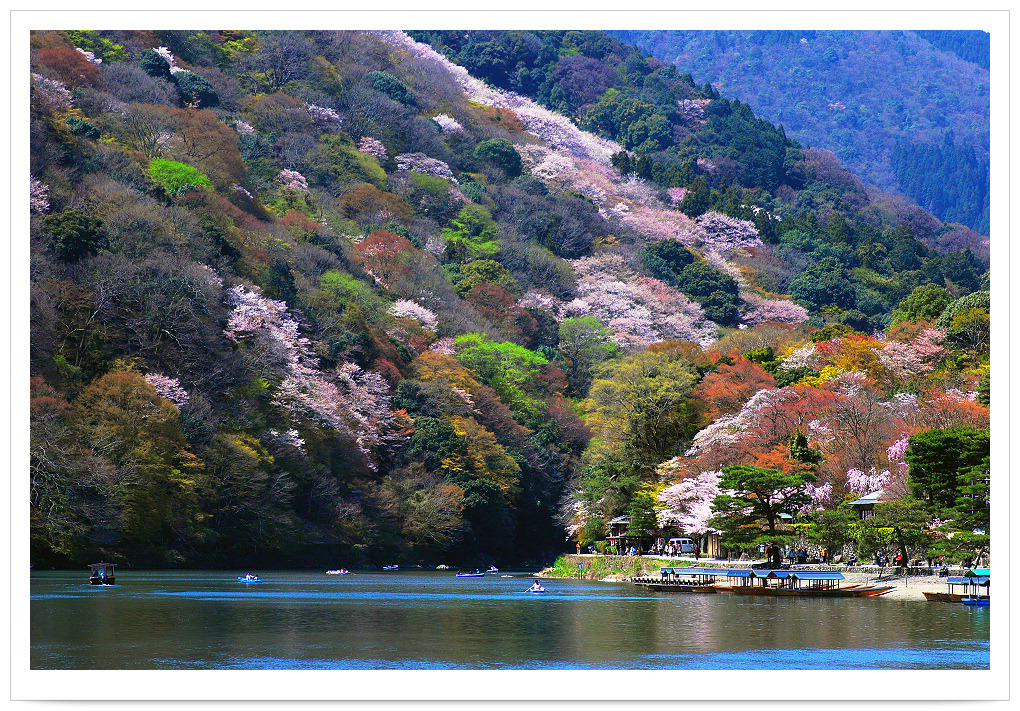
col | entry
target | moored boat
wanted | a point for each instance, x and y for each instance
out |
(686, 580)
(972, 583)
(341, 571)
(102, 574)
(799, 583)
(390, 567)
(249, 578)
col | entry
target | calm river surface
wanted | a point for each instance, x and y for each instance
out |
(434, 620)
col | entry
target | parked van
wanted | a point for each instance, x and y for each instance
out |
(684, 545)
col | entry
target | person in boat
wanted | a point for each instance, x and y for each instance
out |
(536, 587)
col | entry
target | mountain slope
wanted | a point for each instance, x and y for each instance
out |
(306, 295)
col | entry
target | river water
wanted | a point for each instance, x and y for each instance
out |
(433, 620)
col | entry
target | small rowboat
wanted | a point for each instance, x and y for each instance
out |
(475, 574)
(249, 579)
(390, 567)
(342, 571)
(977, 601)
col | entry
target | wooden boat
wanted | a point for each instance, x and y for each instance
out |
(102, 574)
(683, 580)
(972, 581)
(798, 583)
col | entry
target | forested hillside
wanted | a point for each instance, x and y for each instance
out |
(323, 298)
(878, 100)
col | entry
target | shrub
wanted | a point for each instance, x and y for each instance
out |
(153, 64)
(367, 202)
(337, 164)
(195, 90)
(76, 234)
(502, 154)
(176, 178)
(392, 87)
(81, 127)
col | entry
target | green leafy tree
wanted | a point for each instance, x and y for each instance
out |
(642, 515)
(507, 368)
(824, 283)
(154, 65)
(472, 234)
(925, 303)
(502, 154)
(640, 409)
(176, 178)
(392, 87)
(714, 290)
(749, 512)
(140, 433)
(584, 343)
(485, 271)
(698, 199)
(81, 127)
(833, 528)
(196, 90)
(75, 234)
(904, 523)
(937, 458)
(337, 165)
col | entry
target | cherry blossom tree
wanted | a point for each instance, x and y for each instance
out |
(349, 400)
(687, 504)
(448, 123)
(169, 388)
(373, 147)
(421, 163)
(50, 95)
(39, 200)
(405, 308)
(293, 179)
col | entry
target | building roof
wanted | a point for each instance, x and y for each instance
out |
(871, 498)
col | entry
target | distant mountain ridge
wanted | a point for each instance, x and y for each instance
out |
(873, 98)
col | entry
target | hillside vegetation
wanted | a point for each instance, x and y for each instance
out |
(321, 298)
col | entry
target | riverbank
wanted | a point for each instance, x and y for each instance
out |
(615, 568)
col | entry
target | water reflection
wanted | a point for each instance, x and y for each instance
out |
(430, 620)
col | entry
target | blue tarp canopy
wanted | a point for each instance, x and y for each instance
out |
(693, 571)
(781, 574)
(818, 575)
